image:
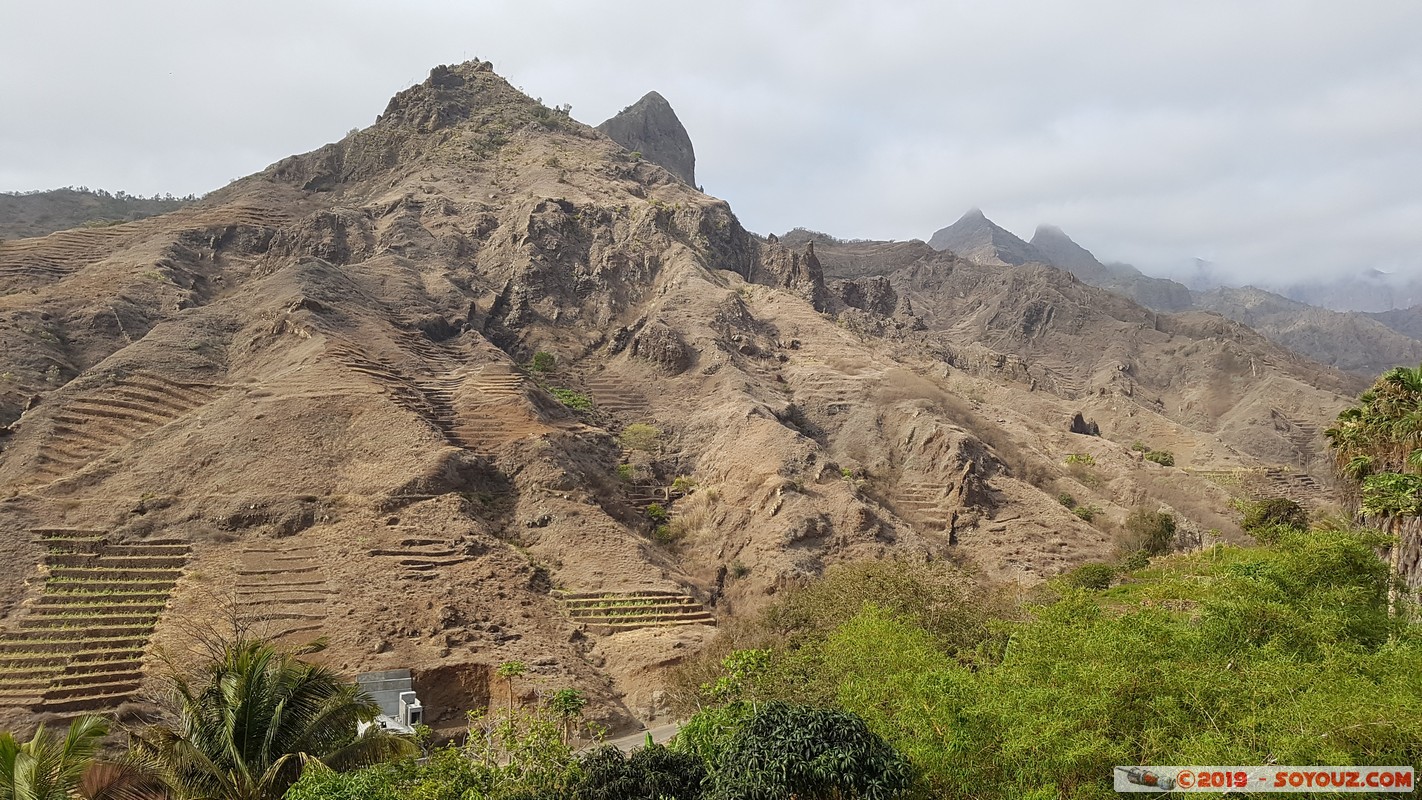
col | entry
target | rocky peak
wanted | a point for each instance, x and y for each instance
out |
(977, 238)
(650, 127)
(1058, 248)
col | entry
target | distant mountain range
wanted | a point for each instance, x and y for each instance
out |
(1355, 341)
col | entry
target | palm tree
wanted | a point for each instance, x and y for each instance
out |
(250, 722)
(49, 767)
(1378, 449)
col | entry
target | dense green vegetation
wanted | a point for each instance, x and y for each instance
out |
(775, 750)
(1377, 446)
(1281, 653)
(49, 766)
(253, 720)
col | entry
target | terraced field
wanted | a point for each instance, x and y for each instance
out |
(281, 588)
(44, 260)
(1297, 486)
(1261, 484)
(421, 559)
(473, 409)
(832, 392)
(91, 426)
(923, 504)
(607, 612)
(489, 416)
(611, 394)
(1061, 378)
(80, 644)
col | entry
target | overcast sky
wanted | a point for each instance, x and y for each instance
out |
(1273, 138)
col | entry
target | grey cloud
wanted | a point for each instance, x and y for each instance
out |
(1272, 138)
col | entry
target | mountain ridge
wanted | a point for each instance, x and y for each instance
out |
(1359, 343)
(321, 386)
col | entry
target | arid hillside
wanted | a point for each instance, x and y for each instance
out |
(476, 384)
(38, 213)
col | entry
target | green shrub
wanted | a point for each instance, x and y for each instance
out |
(656, 513)
(665, 534)
(650, 773)
(640, 436)
(739, 570)
(683, 484)
(1152, 531)
(543, 362)
(1081, 458)
(625, 472)
(1140, 446)
(1275, 512)
(1162, 457)
(1137, 559)
(786, 750)
(1086, 513)
(1066, 500)
(572, 399)
(1090, 576)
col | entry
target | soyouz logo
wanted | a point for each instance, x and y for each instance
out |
(1263, 779)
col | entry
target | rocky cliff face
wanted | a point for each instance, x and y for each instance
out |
(650, 127)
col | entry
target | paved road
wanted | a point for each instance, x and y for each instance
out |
(660, 735)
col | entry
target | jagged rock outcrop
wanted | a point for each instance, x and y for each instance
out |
(663, 346)
(857, 259)
(1080, 425)
(796, 270)
(873, 294)
(650, 127)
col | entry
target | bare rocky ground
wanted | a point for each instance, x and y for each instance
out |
(309, 387)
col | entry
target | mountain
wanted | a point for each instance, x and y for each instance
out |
(25, 214)
(474, 385)
(1406, 321)
(1350, 341)
(1368, 291)
(977, 238)
(1346, 340)
(1221, 390)
(1058, 249)
(650, 127)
